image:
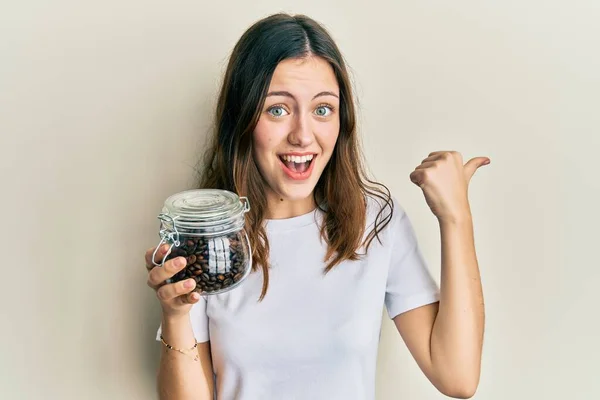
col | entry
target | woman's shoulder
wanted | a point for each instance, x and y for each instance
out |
(388, 218)
(383, 207)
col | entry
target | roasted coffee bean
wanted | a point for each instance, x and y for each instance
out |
(177, 252)
(210, 277)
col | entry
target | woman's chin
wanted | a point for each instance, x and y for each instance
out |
(297, 193)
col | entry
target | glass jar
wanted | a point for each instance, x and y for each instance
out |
(206, 226)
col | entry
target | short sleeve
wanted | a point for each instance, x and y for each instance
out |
(409, 282)
(199, 321)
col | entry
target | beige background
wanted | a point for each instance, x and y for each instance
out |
(103, 109)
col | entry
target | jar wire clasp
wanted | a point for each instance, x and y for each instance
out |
(246, 204)
(168, 234)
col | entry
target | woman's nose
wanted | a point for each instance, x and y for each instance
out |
(302, 134)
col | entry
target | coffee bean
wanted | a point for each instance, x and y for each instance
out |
(197, 252)
(177, 252)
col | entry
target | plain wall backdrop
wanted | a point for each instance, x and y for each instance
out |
(104, 106)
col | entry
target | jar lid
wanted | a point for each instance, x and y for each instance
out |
(206, 211)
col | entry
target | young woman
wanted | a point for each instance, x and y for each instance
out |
(331, 247)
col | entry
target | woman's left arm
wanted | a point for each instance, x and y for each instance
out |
(446, 338)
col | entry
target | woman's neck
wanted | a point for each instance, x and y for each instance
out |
(279, 208)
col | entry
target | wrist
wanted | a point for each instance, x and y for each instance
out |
(175, 319)
(177, 330)
(457, 217)
(177, 335)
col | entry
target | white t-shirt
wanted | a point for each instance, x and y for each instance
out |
(315, 335)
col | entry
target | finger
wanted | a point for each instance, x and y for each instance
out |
(157, 276)
(441, 152)
(171, 291)
(160, 253)
(418, 177)
(433, 157)
(190, 298)
(427, 164)
(472, 165)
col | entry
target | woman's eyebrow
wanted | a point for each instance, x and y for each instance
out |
(326, 93)
(288, 94)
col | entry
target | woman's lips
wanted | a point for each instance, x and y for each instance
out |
(296, 175)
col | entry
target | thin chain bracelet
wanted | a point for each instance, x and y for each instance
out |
(184, 351)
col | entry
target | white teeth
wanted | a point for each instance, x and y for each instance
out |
(298, 159)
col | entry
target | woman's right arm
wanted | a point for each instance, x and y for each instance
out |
(180, 377)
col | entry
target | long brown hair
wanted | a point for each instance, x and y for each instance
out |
(342, 189)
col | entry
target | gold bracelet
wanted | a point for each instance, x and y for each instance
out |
(182, 351)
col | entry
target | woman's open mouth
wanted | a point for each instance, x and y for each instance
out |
(297, 167)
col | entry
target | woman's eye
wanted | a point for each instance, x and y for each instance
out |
(277, 111)
(323, 111)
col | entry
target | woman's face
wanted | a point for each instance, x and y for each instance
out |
(298, 128)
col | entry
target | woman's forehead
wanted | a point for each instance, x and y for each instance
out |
(304, 77)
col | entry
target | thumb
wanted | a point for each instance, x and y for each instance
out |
(472, 165)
